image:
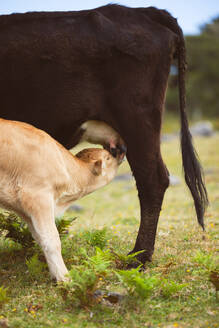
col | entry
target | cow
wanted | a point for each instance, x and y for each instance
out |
(109, 64)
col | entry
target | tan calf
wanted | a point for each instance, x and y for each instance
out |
(40, 179)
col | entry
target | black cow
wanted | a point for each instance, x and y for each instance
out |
(60, 69)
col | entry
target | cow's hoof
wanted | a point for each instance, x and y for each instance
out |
(134, 265)
(139, 260)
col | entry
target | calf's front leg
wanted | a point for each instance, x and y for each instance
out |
(41, 223)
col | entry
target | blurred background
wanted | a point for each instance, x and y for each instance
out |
(199, 20)
(183, 254)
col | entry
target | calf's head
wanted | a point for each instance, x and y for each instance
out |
(101, 163)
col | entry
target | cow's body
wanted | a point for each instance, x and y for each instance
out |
(110, 64)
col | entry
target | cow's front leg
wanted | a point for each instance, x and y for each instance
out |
(152, 179)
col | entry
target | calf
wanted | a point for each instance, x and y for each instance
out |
(40, 179)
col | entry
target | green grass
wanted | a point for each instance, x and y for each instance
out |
(174, 291)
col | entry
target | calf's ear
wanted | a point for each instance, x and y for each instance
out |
(97, 168)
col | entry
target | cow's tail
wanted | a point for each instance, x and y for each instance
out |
(192, 169)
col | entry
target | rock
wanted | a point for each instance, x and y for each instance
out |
(127, 177)
(127, 188)
(76, 208)
(210, 171)
(203, 128)
(114, 297)
(174, 181)
(168, 137)
(123, 177)
(111, 297)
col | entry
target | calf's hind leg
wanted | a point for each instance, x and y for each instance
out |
(39, 215)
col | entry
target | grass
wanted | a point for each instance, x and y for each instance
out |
(174, 291)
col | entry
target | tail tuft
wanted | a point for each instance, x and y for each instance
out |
(193, 171)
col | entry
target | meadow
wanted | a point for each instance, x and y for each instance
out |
(174, 290)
